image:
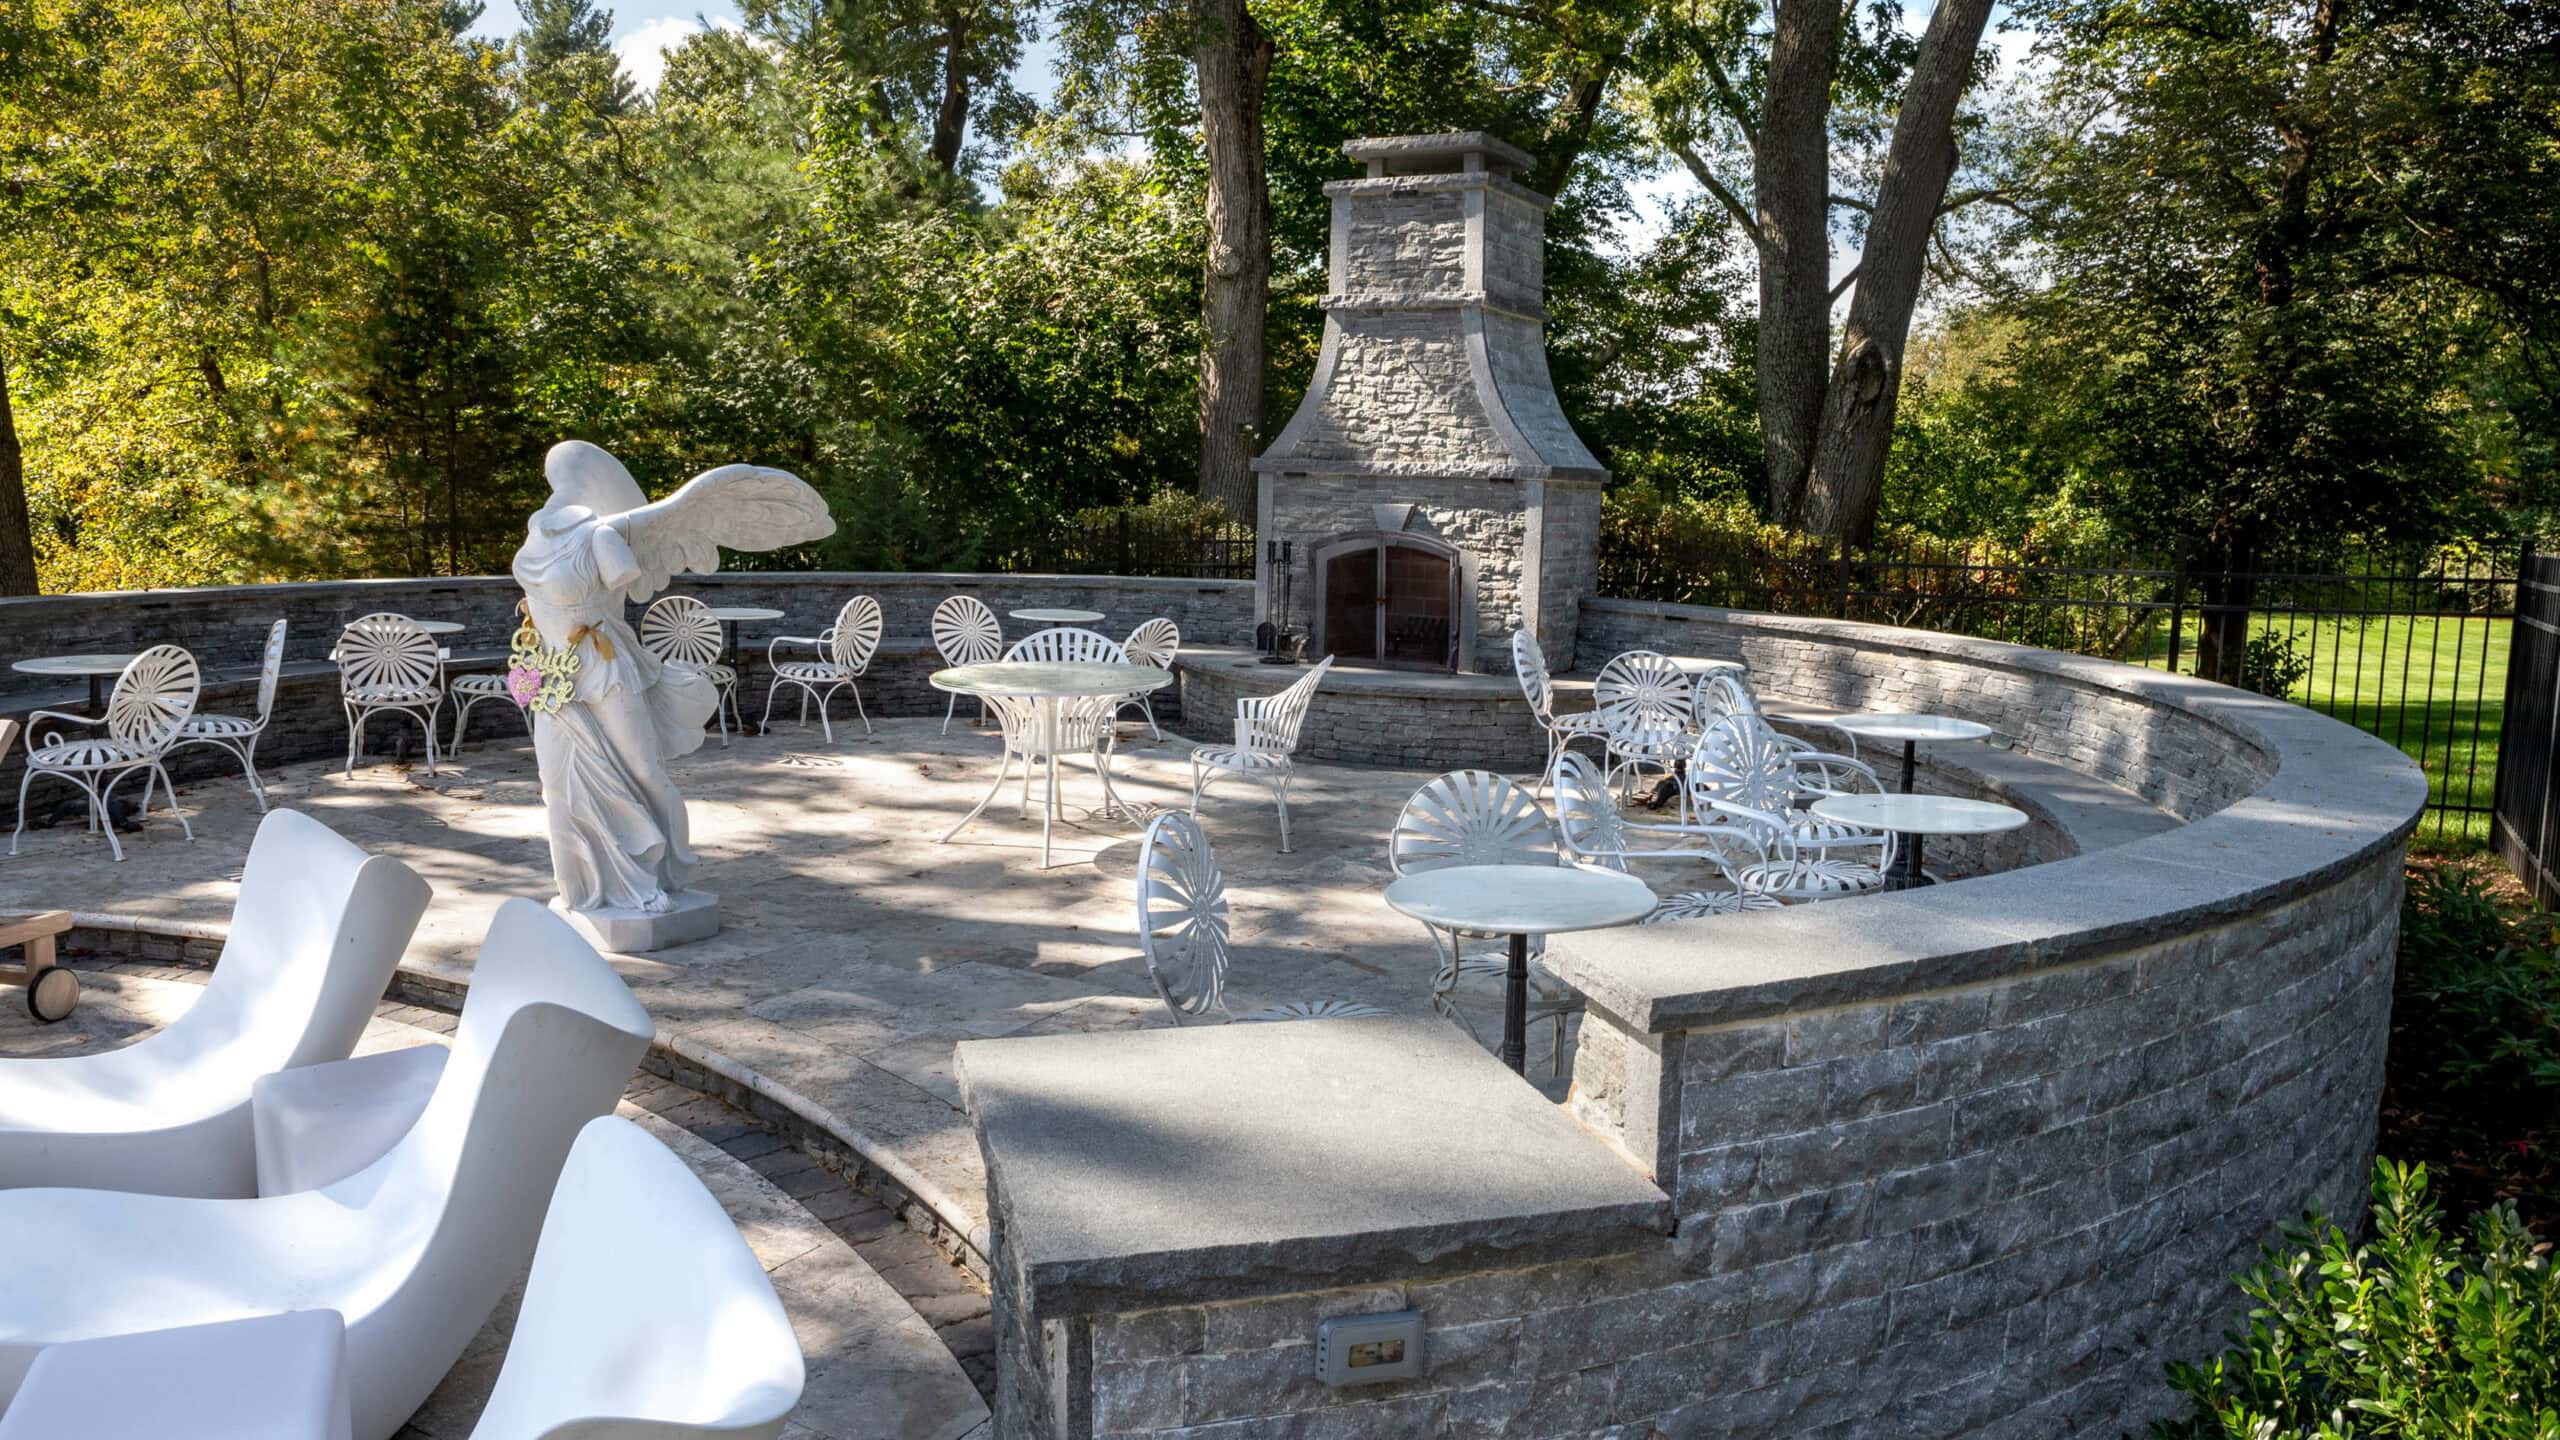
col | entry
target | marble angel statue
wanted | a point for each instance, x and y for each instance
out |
(607, 716)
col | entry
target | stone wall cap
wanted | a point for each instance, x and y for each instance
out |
(2330, 799)
(1394, 150)
(1137, 1168)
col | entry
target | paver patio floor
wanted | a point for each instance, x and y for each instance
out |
(856, 951)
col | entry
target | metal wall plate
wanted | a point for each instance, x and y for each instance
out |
(1368, 1349)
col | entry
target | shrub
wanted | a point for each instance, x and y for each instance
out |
(2273, 665)
(2415, 1335)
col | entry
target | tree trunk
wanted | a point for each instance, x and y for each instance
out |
(17, 538)
(951, 121)
(1847, 478)
(1570, 131)
(1233, 57)
(1791, 199)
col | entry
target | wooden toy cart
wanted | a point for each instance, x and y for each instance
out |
(51, 990)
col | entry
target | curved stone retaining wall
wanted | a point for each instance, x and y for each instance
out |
(1967, 1161)
(226, 628)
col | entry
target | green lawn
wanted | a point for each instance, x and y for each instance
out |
(2434, 686)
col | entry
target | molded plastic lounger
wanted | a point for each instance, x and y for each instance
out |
(316, 932)
(415, 1249)
(646, 1317)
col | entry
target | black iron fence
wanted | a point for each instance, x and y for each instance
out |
(2410, 646)
(2527, 806)
(1127, 544)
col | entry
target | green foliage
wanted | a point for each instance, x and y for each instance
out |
(2273, 664)
(2414, 1335)
(2476, 1017)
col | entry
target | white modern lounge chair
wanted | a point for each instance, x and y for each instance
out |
(1475, 817)
(1155, 643)
(239, 734)
(387, 663)
(965, 632)
(681, 631)
(314, 936)
(844, 651)
(646, 1316)
(1266, 745)
(145, 712)
(1182, 930)
(270, 1377)
(414, 1250)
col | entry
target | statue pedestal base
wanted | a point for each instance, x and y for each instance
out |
(694, 916)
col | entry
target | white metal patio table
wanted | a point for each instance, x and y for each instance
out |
(1057, 617)
(95, 668)
(1048, 686)
(438, 627)
(730, 618)
(1521, 901)
(1914, 816)
(1911, 730)
(1696, 665)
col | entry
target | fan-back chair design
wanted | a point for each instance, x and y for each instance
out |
(680, 630)
(146, 712)
(845, 652)
(1266, 744)
(1183, 930)
(1475, 817)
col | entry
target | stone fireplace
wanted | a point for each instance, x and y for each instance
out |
(1431, 495)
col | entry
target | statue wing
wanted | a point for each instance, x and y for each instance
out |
(744, 507)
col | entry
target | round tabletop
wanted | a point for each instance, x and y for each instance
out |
(735, 613)
(1522, 899)
(1699, 664)
(74, 665)
(439, 627)
(1047, 678)
(1908, 727)
(1920, 814)
(1057, 617)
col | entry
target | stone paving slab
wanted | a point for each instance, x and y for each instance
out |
(876, 1370)
(857, 951)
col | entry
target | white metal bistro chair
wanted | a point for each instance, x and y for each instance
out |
(386, 663)
(1595, 834)
(467, 692)
(1183, 930)
(1723, 692)
(1154, 643)
(1540, 688)
(1744, 783)
(845, 652)
(965, 632)
(681, 631)
(238, 734)
(1644, 702)
(646, 1317)
(1266, 743)
(149, 707)
(1475, 817)
(1084, 722)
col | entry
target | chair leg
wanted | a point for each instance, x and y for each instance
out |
(23, 782)
(949, 710)
(355, 737)
(171, 786)
(432, 713)
(1195, 787)
(858, 711)
(766, 723)
(1282, 791)
(825, 727)
(720, 712)
(249, 763)
(98, 806)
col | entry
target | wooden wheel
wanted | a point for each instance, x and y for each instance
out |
(52, 995)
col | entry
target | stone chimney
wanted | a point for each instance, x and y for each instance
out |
(1432, 493)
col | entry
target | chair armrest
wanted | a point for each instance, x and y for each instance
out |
(318, 1124)
(778, 641)
(52, 737)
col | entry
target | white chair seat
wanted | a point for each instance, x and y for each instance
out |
(489, 685)
(718, 674)
(273, 1377)
(210, 727)
(1699, 904)
(1582, 722)
(87, 755)
(1811, 877)
(818, 670)
(1814, 832)
(1309, 1010)
(1239, 757)
(393, 694)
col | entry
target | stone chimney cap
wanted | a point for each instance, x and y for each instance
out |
(1456, 150)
